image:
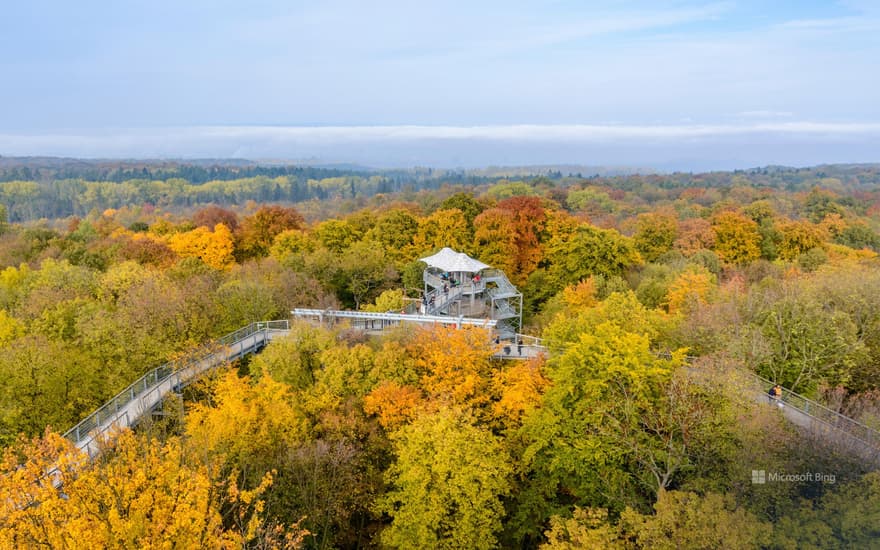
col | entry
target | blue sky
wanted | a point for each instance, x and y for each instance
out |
(734, 83)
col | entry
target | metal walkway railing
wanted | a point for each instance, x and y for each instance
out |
(141, 397)
(520, 346)
(817, 419)
(442, 300)
(127, 407)
(363, 318)
(820, 413)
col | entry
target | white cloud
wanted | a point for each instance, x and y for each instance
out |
(227, 140)
(527, 132)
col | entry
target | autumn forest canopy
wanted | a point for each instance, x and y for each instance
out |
(656, 294)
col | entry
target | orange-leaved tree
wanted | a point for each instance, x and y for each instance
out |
(257, 231)
(495, 239)
(529, 219)
(454, 364)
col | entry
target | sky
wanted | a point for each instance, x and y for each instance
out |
(670, 85)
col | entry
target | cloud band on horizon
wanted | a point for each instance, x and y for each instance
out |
(423, 144)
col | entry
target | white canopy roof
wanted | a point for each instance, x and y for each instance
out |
(451, 261)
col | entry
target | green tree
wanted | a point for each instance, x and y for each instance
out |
(589, 251)
(45, 383)
(506, 189)
(367, 272)
(294, 359)
(853, 512)
(655, 233)
(466, 203)
(687, 520)
(587, 443)
(394, 231)
(799, 343)
(335, 235)
(446, 485)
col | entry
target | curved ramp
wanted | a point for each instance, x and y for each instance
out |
(147, 392)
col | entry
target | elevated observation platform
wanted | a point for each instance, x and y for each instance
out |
(457, 285)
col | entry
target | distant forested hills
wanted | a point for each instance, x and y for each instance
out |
(41, 187)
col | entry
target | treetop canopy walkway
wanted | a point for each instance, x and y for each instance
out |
(843, 432)
(147, 392)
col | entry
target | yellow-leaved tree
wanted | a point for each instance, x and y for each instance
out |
(247, 425)
(442, 228)
(446, 484)
(581, 295)
(737, 240)
(140, 493)
(518, 389)
(692, 287)
(799, 237)
(10, 328)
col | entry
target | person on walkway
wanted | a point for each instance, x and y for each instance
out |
(445, 288)
(775, 394)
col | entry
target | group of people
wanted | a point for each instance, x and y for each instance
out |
(449, 281)
(447, 278)
(506, 349)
